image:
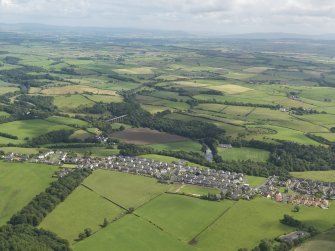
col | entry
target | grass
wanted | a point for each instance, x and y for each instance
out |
(321, 242)
(105, 98)
(199, 190)
(30, 128)
(76, 89)
(124, 189)
(182, 216)
(71, 102)
(4, 114)
(132, 233)
(188, 145)
(8, 89)
(244, 153)
(81, 135)
(326, 176)
(255, 181)
(67, 121)
(136, 70)
(21, 150)
(248, 222)
(19, 183)
(82, 209)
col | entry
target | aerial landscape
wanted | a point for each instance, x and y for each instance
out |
(158, 132)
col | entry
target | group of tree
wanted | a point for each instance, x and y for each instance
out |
(29, 238)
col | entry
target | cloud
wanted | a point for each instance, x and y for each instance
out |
(223, 16)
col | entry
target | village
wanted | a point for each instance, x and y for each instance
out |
(232, 185)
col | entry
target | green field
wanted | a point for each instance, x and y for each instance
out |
(196, 190)
(82, 209)
(169, 211)
(124, 189)
(67, 121)
(321, 242)
(29, 128)
(19, 183)
(244, 153)
(132, 233)
(190, 146)
(262, 218)
(326, 176)
(21, 150)
(70, 102)
(255, 181)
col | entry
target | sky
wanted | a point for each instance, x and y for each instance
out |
(203, 16)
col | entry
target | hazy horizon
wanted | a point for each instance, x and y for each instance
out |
(213, 16)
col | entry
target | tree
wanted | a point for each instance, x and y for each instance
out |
(296, 209)
(105, 223)
(88, 232)
(265, 245)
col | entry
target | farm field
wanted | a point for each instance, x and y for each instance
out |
(168, 210)
(226, 233)
(30, 128)
(326, 176)
(67, 121)
(70, 102)
(124, 189)
(76, 89)
(19, 183)
(255, 181)
(187, 145)
(82, 209)
(198, 190)
(321, 242)
(244, 153)
(146, 136)
(21, 150)
(144, 237)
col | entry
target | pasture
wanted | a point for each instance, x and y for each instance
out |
(67, 121)
(322, 242)
(326, 176)
(82, 209)
(30, 128)
(76, 89)
(141, 136)
(124, 189)
(261, 216)
(186, 145)
(169, 210)
(19, 183)
(244, 153)
(198, 190)
(70, 102)
(144, 237)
